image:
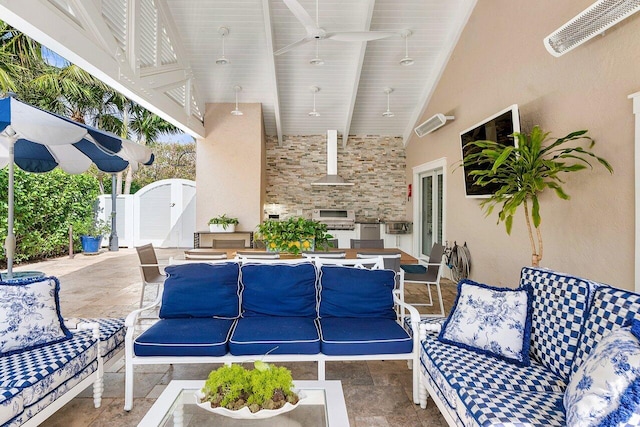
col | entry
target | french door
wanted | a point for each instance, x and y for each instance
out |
(429, 206)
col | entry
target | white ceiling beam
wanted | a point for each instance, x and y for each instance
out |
(166, 79)
(432, 81)
(357, 73)
(271, 64)
(48, 25)
(89, 13)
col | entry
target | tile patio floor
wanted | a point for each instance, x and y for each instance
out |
(108, 285)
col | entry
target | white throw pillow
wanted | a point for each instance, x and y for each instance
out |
(489, 320)
(605, 390)
(30, 315)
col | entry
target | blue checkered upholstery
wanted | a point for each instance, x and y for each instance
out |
(112, 332)
(463, 368)
(611, 309)
(560, 303)
(39, 371)
(492, 407)
(11, 404)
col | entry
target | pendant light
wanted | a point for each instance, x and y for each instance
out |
(317, 60)
(314, 90)
(388, 113)
(237, 112)
(223, 31)
(407, 60)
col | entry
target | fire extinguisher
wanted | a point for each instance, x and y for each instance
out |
(409, 193)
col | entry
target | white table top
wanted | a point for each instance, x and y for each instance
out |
(336, 410)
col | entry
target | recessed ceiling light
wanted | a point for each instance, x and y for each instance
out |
(223, 31)
(407, 60)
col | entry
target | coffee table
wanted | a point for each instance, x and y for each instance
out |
(176, 406)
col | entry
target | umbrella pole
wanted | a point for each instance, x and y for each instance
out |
(113, 238)
(10, 242)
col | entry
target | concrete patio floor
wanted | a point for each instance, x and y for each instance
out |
(108, 285)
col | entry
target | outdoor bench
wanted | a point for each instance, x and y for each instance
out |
(584, 360)
(276, 311)
(45, 361)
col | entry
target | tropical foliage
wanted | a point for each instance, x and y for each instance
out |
(524, 171)
(45, 206)
(172, 160)
(293, 235)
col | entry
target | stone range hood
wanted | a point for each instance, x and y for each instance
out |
(332, 177)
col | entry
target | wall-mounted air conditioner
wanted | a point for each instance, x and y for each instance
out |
(594, 20)
(432, 124)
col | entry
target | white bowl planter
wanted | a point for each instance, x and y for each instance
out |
(219, 228)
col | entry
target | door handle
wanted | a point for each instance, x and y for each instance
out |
(172, 205)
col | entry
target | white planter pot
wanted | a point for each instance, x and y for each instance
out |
(217, 228)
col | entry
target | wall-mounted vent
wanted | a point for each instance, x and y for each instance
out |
(594, 20)
(432, 124)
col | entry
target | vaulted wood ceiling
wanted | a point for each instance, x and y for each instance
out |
(162, 53)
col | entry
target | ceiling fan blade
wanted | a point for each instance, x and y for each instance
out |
(360, 36)
(292, 45)
(301, 15)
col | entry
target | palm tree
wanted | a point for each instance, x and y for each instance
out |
(19, 58)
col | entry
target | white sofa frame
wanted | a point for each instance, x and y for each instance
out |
(96, 378)
(412, 358)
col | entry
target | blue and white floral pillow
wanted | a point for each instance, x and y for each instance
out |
(605, 390)
(30, 315)
(490, 320)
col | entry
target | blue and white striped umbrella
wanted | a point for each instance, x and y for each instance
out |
(39, 141)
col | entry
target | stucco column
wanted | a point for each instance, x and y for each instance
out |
(230, 166)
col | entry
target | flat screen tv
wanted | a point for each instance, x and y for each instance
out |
(498, 128)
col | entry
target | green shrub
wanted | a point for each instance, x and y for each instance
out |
(45, 205)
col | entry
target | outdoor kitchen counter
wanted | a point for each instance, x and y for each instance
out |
(405, 258)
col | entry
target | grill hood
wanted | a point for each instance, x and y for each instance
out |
(332, 177)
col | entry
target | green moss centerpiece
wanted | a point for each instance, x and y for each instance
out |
(237, 392)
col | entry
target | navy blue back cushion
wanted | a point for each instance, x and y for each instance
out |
(356, 292)
(201, 290)
(279, 290)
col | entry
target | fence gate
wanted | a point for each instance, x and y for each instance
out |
(165, 213)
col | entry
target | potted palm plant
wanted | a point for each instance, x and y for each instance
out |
(293, 235)
(223, 224)
(523, 171)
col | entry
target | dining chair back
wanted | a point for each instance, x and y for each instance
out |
(429, 274)
(149, 269)
(248, 255)
(324, 254)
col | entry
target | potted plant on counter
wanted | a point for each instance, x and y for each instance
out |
(293, 235)
(223, 224)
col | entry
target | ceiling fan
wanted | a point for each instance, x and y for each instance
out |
(314, 32)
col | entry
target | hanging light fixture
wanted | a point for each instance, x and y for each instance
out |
(237, 112)
(314, 90)
(317, 60)
(388, 113)
(407, 60)
(223, 31)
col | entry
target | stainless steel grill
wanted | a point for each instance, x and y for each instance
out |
(336, 219)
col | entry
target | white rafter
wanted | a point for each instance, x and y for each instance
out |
(272, 67)
(356, 74)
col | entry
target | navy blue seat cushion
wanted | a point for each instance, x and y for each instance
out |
(356, 292)
(201, 290)
(185, 337)
(279, 290)
(275, 335)
(356, 336)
